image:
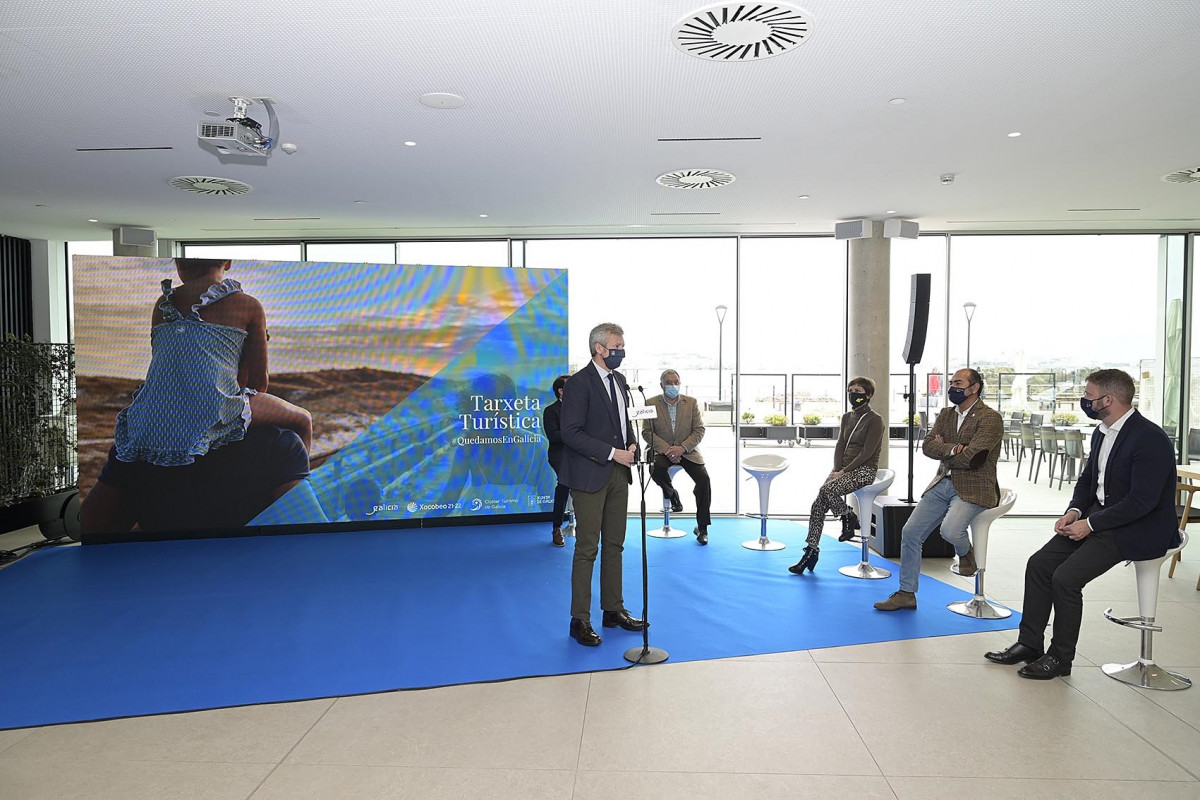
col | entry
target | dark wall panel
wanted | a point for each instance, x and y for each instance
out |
(16, 287)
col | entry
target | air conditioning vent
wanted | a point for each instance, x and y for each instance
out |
(696, 179)
(216, 187)
(742, 31)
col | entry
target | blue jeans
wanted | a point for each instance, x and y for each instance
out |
(940, 504)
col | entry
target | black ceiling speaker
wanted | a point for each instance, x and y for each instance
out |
(918, 318)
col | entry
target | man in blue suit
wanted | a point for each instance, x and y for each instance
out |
(1123, 509)
(599, 449)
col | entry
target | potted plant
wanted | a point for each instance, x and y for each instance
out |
(779, 429)
(812, 419)
(1065, 419)
(37, 437)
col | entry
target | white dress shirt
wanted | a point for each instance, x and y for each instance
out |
(604, 373)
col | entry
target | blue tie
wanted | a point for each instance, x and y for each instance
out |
(612, 393)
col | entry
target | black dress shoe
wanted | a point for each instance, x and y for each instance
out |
(622, 619)
(701, 535)
(1013, 655)
(581, 631)
(676, 503)
(1045, 668)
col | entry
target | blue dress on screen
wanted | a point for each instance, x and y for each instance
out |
(190, 402)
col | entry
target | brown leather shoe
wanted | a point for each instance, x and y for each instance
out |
(897, 601)
(556, 536)
(966, 563)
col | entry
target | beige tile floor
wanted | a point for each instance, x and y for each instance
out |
(923, 719)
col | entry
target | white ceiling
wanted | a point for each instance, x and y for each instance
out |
(566, 104)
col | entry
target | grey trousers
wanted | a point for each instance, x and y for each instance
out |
(600, 519)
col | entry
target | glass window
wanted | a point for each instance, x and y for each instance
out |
(459, 254)
(664, 293)
(281, 251)
(352, 252)
(791, 357)
(1049, 310)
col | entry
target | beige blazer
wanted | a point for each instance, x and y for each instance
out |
(688, 430)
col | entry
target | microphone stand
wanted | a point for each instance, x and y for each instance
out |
(645, 654)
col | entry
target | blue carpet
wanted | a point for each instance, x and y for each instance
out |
(147, 628)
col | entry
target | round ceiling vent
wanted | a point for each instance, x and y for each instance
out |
(216, 187)
(742, 31)
(1184, 176)
(696, 179)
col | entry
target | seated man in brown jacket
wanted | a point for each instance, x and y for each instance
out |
(966, 441)
(674, 437)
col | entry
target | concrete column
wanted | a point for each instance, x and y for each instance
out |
(49, 290)
(868, 290)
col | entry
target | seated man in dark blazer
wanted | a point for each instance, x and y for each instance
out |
(1123, 509)
(599, 448)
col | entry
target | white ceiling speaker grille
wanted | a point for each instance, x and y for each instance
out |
(696, 179)
(1184, 176)
(742, 31)
(214, 187)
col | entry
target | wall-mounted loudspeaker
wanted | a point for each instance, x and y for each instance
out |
(854, 229)
(136, 237)
(918, 318)
(899, 229)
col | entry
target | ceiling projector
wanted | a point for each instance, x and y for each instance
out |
(238, 134)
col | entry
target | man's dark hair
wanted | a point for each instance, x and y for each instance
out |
(559, 383)
(975, 377)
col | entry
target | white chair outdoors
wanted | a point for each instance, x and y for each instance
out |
(666, 531)
(864, 498)
(764, 468)
(1144, 672)
(978, 606)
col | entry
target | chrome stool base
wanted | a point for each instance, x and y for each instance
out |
(979, 608)
(864, 570)
(1147, 676)
(763, 543)
(666, 532)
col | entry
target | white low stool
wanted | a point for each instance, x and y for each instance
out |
(864, 498)
(1144, 672)
(764, 468)
(667, 532)
(978, 606)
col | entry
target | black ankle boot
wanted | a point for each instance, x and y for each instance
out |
(807, 561)
(849, 525)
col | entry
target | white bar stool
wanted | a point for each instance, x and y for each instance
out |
(667, 532)
(978, 606)
(764, 468)
(568, 528)
(1144, 672)
(864, 498)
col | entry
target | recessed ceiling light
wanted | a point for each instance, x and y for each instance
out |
(803, 197)
(1014, 134)
(410, 144)
(360, 202)
(93, 220)
(483, 216)
(890, 211)
(442, 100)
(897, 101)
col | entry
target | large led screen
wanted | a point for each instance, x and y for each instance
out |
(425, 386)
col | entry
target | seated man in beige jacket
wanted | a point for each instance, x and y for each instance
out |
(673, 438)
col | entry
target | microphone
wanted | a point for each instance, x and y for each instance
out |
(643, 394)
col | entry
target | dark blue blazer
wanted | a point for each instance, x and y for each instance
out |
(589, 431)
(1139, 490)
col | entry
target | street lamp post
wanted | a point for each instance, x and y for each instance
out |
(969, 310)
(720, 345)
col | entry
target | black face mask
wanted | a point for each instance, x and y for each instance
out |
(857, 399)
(614, 358)
(956, 395)
(1086, 406)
